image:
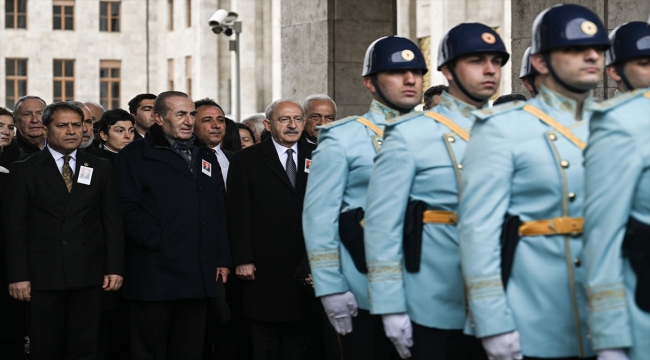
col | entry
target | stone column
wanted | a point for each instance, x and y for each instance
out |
(612, 12)
(323, 46)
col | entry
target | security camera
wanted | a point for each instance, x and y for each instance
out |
(221, 17)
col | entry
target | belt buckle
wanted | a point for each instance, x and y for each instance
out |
(565, 226)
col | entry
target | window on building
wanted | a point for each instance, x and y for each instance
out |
(109, 83)
(63, 80)
(63, 15)
(189, 13)
(109, 16)
(15, 80)
(170, 8)
(16, 14)
(170, 74)
(188, 74)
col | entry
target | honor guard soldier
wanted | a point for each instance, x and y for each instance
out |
(414, 273)
(528, 75)
(617, 205)
(520, 218)
(336, 194)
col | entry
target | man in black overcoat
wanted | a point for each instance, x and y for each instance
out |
(266, 187)
(176, 238)
(64, 238)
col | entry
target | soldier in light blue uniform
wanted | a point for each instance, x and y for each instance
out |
(520, 216)
(336, 195)
(415, 278)
(617, 186)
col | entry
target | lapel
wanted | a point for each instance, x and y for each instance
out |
(272, 160)
(47, 168)
(78, 190)
(304, 152)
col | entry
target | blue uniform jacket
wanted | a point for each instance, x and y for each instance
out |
(338, 182)
(516, 164)
(617, 163)
(420, 160)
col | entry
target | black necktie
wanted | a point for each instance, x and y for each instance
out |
(291, 167)
(221, 182)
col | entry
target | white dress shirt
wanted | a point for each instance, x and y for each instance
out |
(282, 153)
(58, 157)
(223, 163)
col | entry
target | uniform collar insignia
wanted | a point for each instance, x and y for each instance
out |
(566, 105)
(455, 105)
(383, 111)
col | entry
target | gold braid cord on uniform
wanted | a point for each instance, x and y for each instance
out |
(370, 125)
(546, 118)
(66, 172)
(448, 123)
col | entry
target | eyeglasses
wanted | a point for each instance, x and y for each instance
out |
(315, 118)
(284, 120)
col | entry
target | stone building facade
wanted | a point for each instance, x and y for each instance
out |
(111, 50)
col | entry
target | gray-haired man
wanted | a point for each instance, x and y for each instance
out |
(319, 110)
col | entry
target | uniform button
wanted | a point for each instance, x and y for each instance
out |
(577, 262)
(202, 222)
(64, 242)
(199, 188)
(564, 164)
(63, 220)
(552, 137)
(460, 166)
(572, 196)
(451, 139)
(202, 257)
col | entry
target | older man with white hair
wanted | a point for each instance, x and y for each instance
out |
(319, 110)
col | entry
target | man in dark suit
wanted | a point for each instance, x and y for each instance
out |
(266, 186)
(64, 238)
(141, 107)
(210, 127)
(176, 238)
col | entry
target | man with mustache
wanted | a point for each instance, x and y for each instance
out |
(63, 265)
(176, 239)
(266, 187)
(210, 127)
(410, 228)
(336, 196)
(27, 114)
(617, 210)
(520, 216)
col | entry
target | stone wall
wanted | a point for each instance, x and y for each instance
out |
(612, 12)
(323, 46)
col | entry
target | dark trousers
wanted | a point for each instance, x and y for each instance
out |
(279, 340)
(64, 324)
(368, 340)
(167, 330)
(438, 344)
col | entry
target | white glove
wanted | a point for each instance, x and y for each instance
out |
(503, 346)
(339, 309)
(398, 329)
(612, 354)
